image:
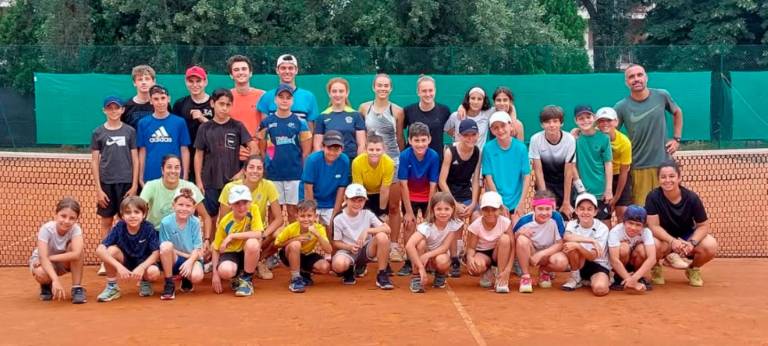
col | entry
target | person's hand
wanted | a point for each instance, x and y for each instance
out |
(101, 199)
(424, 259)
(566, 209)
(197, 115)
(244, 153)
(461, 113)
(597, 246)
(575, 132)
(630, 282)
(141, 182)
(58, 290)
(216, 282)
(607, 197)
(206, 247)
(569, 246)
(687, 248)
(423, 276)
(505, 211)
(200, 185)
(502, 277)
(225, 242)
(132, 191)
(672, 146)
(472, 263)
(409, 219)
(467, 210)
(124, 273)
(138, 272)
(186, 268)
(678, 246)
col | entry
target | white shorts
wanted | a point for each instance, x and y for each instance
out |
(287, 191)
(325, 215)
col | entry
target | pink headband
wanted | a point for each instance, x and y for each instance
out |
(543, 201)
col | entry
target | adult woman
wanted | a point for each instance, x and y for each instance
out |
(340, 116)
(679, 222)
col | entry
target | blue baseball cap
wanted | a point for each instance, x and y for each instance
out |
(635, 212)
(112, 99)
(284, 87)
(467, 126)
(582, 109)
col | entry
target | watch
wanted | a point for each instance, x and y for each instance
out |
(677, 139)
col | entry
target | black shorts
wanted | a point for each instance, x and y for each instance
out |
(626, 195)
(307, 261)
(131, 263)
(591, 268)
(416, 206)
(237, 257)
(489, 253)
(604, 211)
(115, 193)
(372, 204)
(211, 201)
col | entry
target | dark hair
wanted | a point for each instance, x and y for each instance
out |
(374, 138)
(168, 157)
(133, 202)
(68, 203)
(307, 205)
(221, 92)
(185, 192)
(238, 58)
(504, 90)
(158, 89)
(551, 112)
(465, 102)
(543, 194)
(254, 157)
(670, 163)
(418, 129)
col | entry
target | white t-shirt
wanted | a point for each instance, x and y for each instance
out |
(434, 236)
(57, 243)
(543, 235)
(599, 232)
(487, 238)
(347, 228)
(619, 234)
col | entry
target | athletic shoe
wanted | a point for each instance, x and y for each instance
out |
(545, 280)
(416, 286)
(389, 270)
(572, 283)
(694, 277)
(348, 277)
(455, 271)
(102, 271)
(526, 284)
(207, 267)
(234, 283)
(46, 293)
(187, 286)
(395, 255)
(263, 272)
(657, 275)
(361, 270)
(78, 295)
(307, 277)
(502, 288)
(439, 281)
(406, 269)
(245, 289)
(516, 269)
(169, 291)
(110, 293)
(382, 281)
(297, 285)
(486, 281)
(616, 284)
(145, 289)
(675, 261)
(273, 262)
(648, 285)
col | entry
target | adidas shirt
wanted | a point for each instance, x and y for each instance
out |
(161, 137)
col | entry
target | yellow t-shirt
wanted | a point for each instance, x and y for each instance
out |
(622, 151)
(227, 225)
(373, 178)
(263, 195)
(294, 230)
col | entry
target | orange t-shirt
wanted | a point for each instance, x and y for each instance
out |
(244, 109)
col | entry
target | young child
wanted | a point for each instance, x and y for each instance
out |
(138, 106)
(632, 251)
(538, 242)
(428, 247)
(130, 250)
(553, 154)
(59, 251)
(236, 245)
(490, 241)
(621, 150)
(360, 237)
(292, 143)
(181, 245)
(325, 176)
(114, 163)
(418, 173)
(505, 164)
(298, 242)
(593, 162)
(196, 107)
(374, 170)
(586, 245)
(161, 134)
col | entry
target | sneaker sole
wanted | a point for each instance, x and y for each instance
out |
(525, 290)
(384, 287)
(503, 290)
(545, 285)
(79, 301)
(417, 291)
(164, 297)
(104, 300)
(296, 291)
(238, 294)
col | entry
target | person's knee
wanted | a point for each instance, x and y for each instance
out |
(227, 269)
(166, 247)
(558, 262)
(252, 246)
(709, 246)
(382, 238)
(293, 246)
(505, 241)
(41, 276)
(322, 267)
(600, 289)
(442, 262)
(523, 243)
(115, 252)
(197, 274)
(340, 264)
(152, 273)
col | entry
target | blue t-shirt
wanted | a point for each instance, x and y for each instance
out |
(419, 173)
(135, 247)
(161, 137)
(508, 168)
(326, 178)
(285, 135)
(184, 240)
(347, 123)
(304, 104)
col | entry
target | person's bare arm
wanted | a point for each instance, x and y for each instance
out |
(384, 197)
(309, 193)
(608, 194)
(360, 139)
(317, 145)
(199, 157)
(444, 168)
(185, 161)
(618, 267)
(135, 173)
(276, 219)
(101, 197)
(538, 172)
(142, 164)
(76, 252)
(677, 120)
(400, 127)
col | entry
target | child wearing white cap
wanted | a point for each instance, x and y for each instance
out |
(586, 245)
(490, 242)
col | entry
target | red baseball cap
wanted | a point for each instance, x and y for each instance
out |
(196, 71)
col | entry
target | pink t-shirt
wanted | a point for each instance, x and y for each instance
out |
(487, 238)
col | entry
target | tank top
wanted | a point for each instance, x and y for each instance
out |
(460, 174)
(384, 125)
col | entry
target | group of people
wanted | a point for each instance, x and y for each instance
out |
(241, 180)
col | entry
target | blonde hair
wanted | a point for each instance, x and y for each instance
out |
(440, 197)
(424, 78)
(382, 75)
(344, 82)
(141, 70)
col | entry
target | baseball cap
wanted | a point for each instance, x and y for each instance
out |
(284, 87)
(490, 199)
(582, 109)
(606, 113)
(112, 99)
(586, 197)
(635, 212)
(467, 126)
(158, 89)
(355, 190)
(333, 137)
(499, 116)
(196, 71)
(239, 193)
(287, 59)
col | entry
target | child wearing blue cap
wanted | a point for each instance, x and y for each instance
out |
(632, 251)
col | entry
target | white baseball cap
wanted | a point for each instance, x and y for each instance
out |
(586, 197)
(499, 116)
(287, 59)
(606, 113)
(490, 199)
(239, 193)
(356, 190)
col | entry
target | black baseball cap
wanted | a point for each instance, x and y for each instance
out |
(333, 137)
(582, 109)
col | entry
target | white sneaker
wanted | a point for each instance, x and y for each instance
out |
(573, 282)
(208, 267)
(486, 281)
(675, 261)
(102, 271)
(502, 288)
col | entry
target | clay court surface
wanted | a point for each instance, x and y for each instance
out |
(731, 309)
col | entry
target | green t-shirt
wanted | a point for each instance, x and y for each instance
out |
(592, 152)
(647, 126)
(160, 199)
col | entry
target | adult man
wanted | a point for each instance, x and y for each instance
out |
(304, 101)
(245, 97)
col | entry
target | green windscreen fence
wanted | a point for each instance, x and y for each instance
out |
(68, 106)
(750, 105)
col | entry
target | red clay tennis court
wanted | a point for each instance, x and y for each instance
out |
(730, 309)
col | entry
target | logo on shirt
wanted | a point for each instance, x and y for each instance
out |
(284, 140)
(116, 140)
(272, 125)
(292, 125)
(337, 176)
(636, 118)
(348, 120)
(142, 241)
(455, 162)
(230, 140)
(161, 136)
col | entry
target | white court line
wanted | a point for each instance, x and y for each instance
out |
(465, 316)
